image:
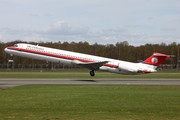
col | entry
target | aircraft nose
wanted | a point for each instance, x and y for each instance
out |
(6, 50)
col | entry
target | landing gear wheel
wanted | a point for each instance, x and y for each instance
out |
(92, 73)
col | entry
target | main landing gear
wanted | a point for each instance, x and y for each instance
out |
(92, 73)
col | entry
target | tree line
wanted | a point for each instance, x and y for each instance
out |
(120, 50)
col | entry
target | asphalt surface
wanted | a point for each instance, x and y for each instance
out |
(6, 83)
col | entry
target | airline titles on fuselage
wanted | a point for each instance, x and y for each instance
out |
(41, 49)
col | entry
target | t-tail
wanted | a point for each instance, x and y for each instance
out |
(156, 59)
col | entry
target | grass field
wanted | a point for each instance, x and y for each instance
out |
(90, 102)
(82, 74)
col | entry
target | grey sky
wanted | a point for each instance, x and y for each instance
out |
(102, 21)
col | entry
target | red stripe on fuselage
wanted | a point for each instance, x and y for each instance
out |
(58, 56)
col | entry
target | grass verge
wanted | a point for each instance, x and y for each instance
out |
(90, 102)
(83, 74)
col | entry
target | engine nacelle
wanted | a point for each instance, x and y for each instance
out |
(129, 68)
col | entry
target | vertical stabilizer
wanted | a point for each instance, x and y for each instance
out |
(156, 59)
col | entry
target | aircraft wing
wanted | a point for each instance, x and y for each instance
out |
(90, 65)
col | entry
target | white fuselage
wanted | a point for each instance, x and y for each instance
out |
(73, 58)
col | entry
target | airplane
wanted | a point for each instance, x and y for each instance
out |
(90, 62)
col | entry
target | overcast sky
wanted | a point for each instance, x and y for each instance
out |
(102, 21)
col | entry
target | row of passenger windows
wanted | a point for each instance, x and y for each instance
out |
(40, 50)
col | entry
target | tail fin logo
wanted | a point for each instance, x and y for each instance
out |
(154, 60)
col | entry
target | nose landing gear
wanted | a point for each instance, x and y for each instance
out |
(92, 73)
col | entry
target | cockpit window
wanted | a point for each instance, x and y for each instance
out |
(15, 45)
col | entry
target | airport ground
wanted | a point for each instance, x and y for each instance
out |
(35, 95)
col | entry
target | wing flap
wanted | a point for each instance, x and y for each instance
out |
(89, 65)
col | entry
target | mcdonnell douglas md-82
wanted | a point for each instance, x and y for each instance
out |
(90, 62)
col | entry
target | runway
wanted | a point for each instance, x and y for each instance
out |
(10, 82)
